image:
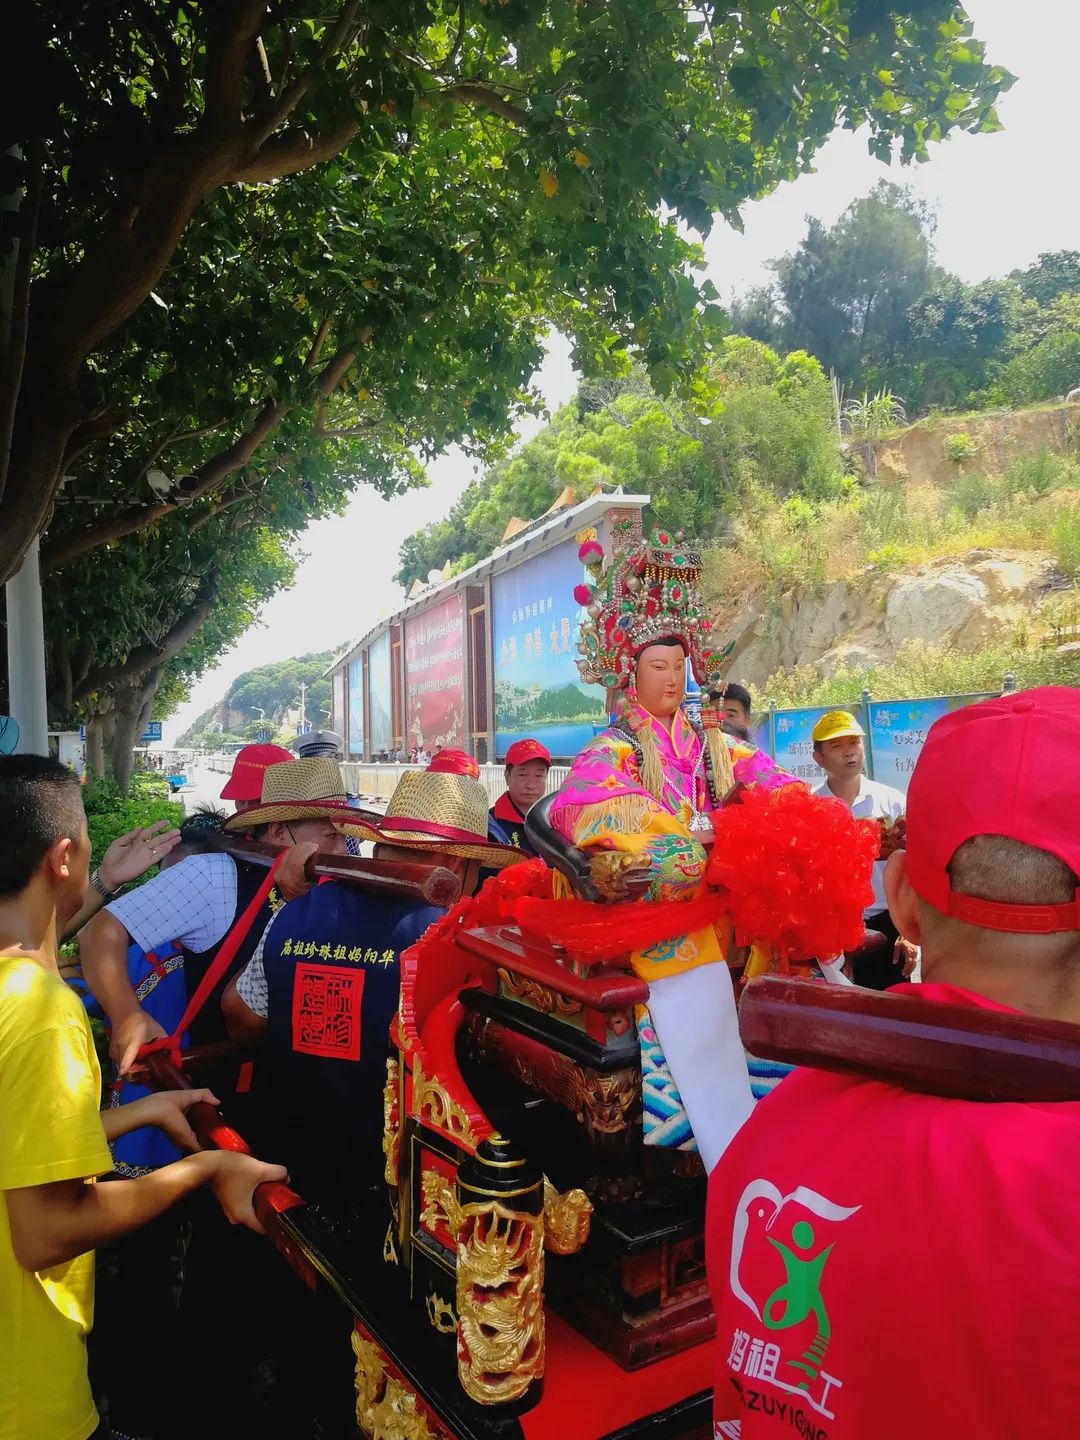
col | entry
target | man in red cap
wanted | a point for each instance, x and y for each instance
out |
(892, 1264)
(244, 785)
(527, 766)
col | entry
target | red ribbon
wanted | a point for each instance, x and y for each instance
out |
(437, 832)
(218, 966)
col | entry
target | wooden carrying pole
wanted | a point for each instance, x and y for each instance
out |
(271, 1200)
(938, 1049)
(414, 880)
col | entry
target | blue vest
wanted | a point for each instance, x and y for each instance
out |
(332, 964)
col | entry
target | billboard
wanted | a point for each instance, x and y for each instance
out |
(435, 676)
(898, 729)
(354, 743)
(380, 724)
(794, 752)
(538, 691)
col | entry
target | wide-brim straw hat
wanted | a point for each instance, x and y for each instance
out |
(438, 811)
(305, 789)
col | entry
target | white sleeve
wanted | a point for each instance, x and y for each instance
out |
(193, 903)
(251, 982)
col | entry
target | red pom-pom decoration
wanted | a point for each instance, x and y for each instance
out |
(795, 869)
(590, 552)
(582, 594)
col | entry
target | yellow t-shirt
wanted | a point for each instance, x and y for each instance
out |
(50, 1129)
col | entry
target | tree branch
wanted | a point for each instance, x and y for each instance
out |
(470, 93)
(152, 656)
(96, 427)
(209, 477)
(226, 59)
(279, 111)
(295, 150)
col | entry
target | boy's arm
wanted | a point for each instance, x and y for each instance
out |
(52, 1223)
(103, 948)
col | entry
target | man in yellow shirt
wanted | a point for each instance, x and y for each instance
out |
(52, 1139)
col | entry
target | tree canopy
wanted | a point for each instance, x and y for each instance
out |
(867, 299)
(755, 420)
(273, 689)
(249, 232)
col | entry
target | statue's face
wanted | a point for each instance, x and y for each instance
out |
(661, 679)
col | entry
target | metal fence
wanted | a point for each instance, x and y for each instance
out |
(377, 782)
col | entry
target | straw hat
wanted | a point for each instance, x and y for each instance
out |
(437, 810)
(309, 789)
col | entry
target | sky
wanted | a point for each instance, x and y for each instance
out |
(1000, 200)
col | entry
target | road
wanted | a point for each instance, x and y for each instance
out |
(205, 789)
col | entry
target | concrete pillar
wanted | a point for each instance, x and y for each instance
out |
(26, 656)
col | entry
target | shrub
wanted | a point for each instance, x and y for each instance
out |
(109, 814)
(874, 415)
(1044, 372)
(973, 492)
(1064, 540)
(959, 447)
(920, 669)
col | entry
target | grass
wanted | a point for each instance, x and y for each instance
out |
(1033, 505)
(920, 669)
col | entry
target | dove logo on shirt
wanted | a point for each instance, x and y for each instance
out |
(780, 1250)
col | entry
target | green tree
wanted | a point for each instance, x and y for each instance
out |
(755, 421)
(1048, 371)
(846, 290)
(575, 140)
(1054, 273)
(959, 337)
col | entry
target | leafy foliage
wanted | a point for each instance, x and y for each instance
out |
(274, 689)
(865, 297)
(109, 814)
(754, 419)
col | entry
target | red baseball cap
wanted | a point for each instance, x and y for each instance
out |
(245, 782)
(1009, 767)
(522, 751)
(455, 762)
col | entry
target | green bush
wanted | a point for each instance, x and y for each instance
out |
(1044, 372)
(110, 814)
(973, 492)
(959, 447)
(920, 669)
(149, 785)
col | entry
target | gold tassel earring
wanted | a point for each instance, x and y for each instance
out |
(719, 754)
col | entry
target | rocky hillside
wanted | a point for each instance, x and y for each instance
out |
(962, 539)
(272, 689)
(980, 600)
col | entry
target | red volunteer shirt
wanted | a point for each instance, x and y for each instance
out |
(887, 1265)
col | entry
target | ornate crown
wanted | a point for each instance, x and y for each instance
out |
(647, 594)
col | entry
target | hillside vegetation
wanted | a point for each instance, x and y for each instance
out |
(274, 689)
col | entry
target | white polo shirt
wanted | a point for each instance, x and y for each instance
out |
(873, 802)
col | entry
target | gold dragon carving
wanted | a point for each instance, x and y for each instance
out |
(385, 1408)
(391, 1140)
(546, 1000)
(500, 1301)
(604, 1100)
(567, 1219)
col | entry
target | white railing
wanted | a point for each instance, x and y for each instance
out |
(377, 782)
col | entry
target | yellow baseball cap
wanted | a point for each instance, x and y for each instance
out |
(835, 726)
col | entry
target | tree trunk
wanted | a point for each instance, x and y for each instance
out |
(95, 746)
(133, 709)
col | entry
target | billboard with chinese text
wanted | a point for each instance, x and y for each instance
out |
(435, 676)
(898, 729)
(354, 742)
(380, 723)
(793, 741)
(538, 691)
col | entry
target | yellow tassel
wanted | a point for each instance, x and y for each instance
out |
(652, 772)
(719, 754)
(626, 815)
